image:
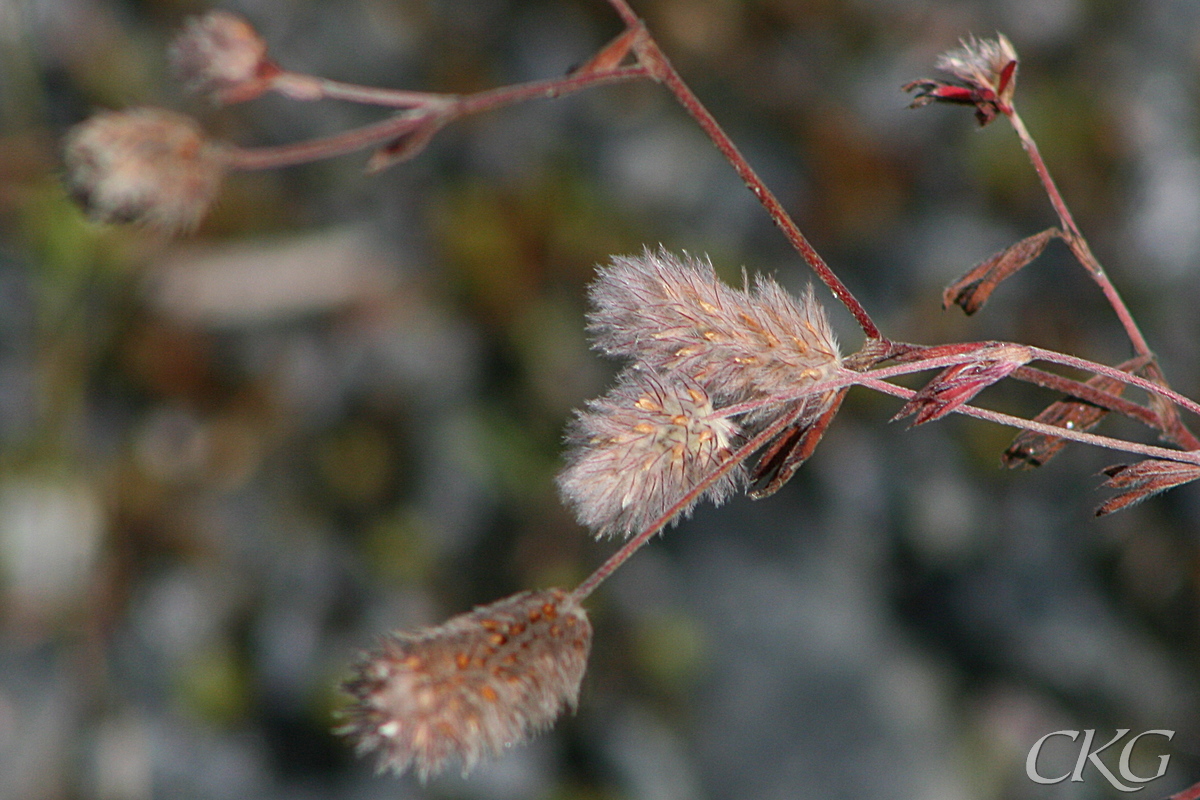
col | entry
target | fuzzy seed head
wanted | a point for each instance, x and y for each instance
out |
(981, 63)
(143, 165)
(217, 52)
(468, 688)
(674, 315)
(637, 451)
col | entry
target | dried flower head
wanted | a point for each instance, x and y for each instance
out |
(987, 71)
(220, 53)
(985, 63)
(143, 165)
(637, 451)
(470, 687)
(674, 315)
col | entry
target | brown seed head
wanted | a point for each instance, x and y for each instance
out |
(673, 315)
(470, 687)
(143, 165)
(637, 451)
(220, 53)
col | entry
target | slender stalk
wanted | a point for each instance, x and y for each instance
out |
(250, 159)
(430, 114)
(1150, 451)
(967, 352)
(298, 86)
(1088, 394)
(1065, 360)
(1075, 239)
(650, 54)
(766, 197)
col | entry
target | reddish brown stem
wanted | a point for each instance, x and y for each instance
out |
(437, 114)
(1074, 238)
(1107, 442)
(1088, 394)
(653, 57)
(297, 86)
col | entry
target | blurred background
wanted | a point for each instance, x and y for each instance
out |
(229, 461)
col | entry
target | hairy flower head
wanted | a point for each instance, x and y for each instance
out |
(470, 687)
(636, 452)
(220, 53)
(673, 315)
(143, 165)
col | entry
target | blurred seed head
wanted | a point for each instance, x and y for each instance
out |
(143, 165)
(637, 451)
(673, 314)
(220, 53)
(470, 687)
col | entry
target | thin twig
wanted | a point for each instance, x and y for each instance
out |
(1075, 239)
(1148, 450)
(446, 109)
(651, 55)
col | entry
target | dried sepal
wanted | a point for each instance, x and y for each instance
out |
(222, 55)
(467, 689)
(956, 385)
(1144, 479)
(972, 290)
(426, 125)
(1030, 449)
(636, 452)
(673, 314)
(787, 452)
(986, 73)
(612, 54)
(144, 165)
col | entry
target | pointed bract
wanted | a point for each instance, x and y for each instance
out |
(1143, 480)
(956, 385)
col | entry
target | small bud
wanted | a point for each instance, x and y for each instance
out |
(465, 690)
(221, 54)
(987, 71)
(956, 385)
(1143, 480)
(674, 315)
(637, 451)
(143, 165)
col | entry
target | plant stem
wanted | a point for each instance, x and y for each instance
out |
(650, 54)
(1074, 238)
(965, 353)
(298, 86)
(435, 111)
(1150, 451)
